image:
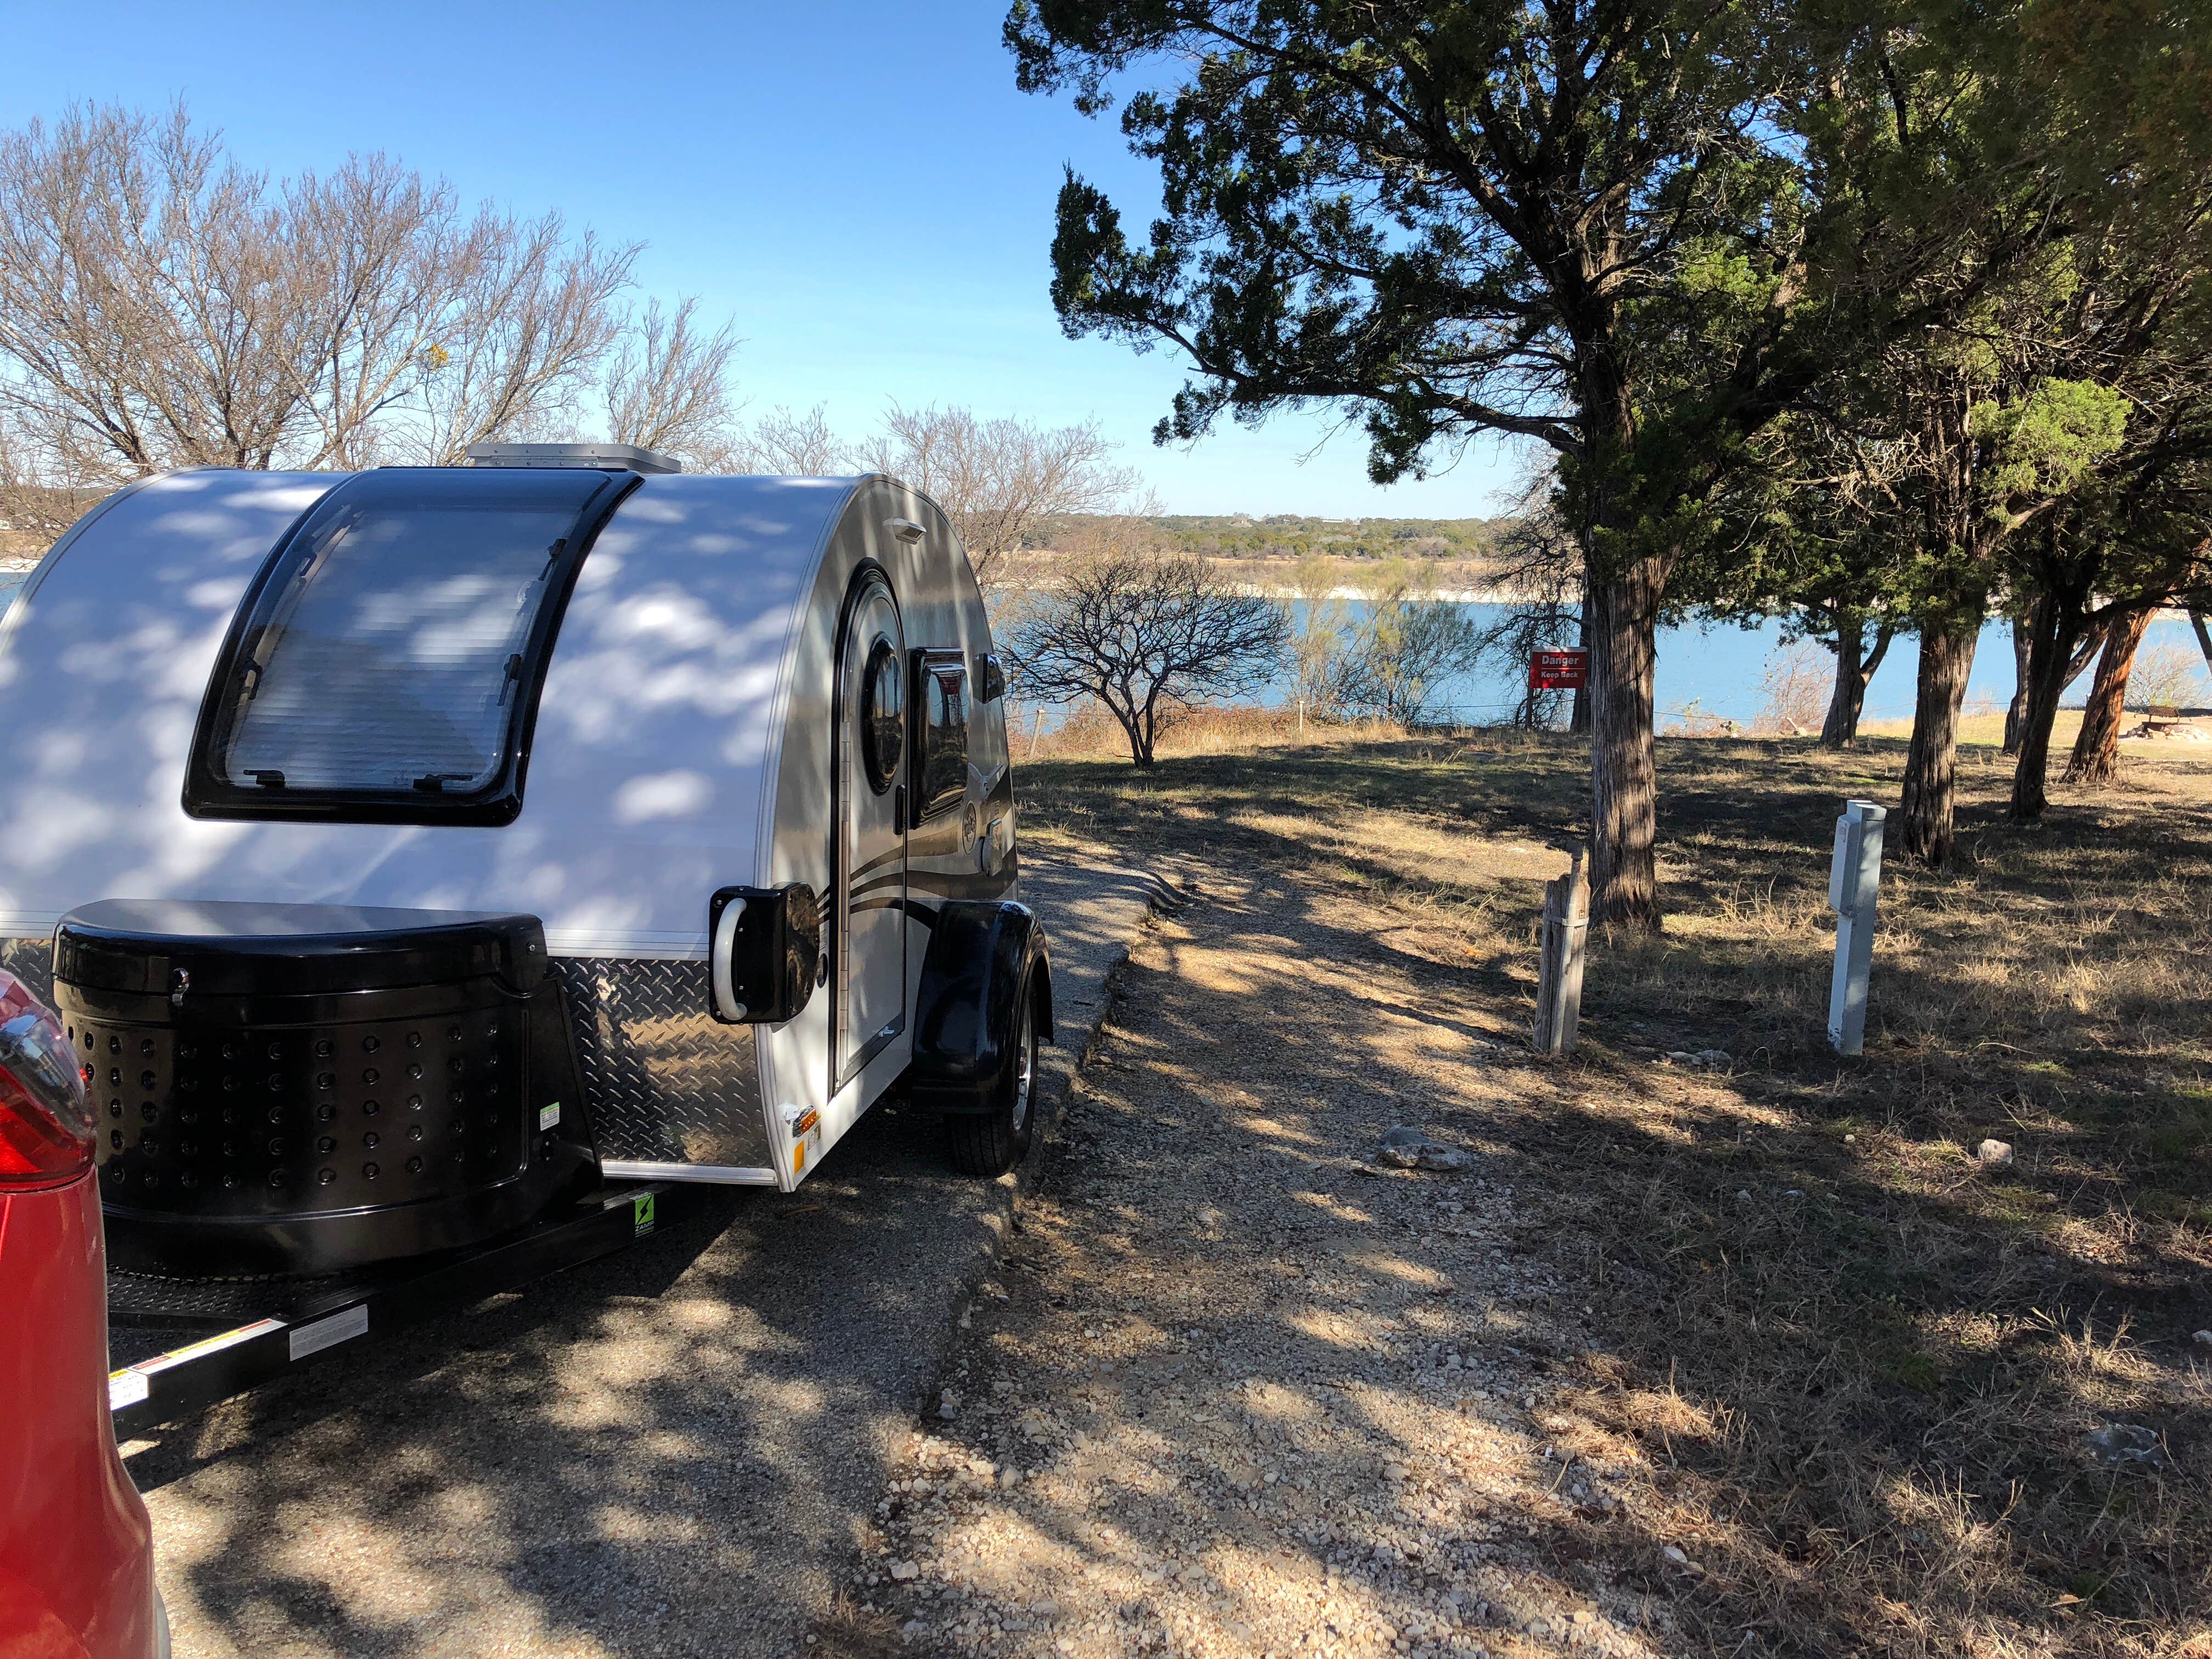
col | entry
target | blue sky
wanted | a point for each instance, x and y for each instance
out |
(860, 187)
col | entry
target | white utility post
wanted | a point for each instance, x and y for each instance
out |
(1854, 881)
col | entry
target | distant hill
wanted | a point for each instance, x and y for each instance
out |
(30, 519)
(1289, 535)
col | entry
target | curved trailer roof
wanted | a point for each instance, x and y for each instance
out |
(660, 712)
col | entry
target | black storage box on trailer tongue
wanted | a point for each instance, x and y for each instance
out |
(292, 1089)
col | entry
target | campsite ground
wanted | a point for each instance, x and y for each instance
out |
(671, 1451)
(1747, 1356)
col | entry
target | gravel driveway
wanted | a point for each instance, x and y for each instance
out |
(669, 1451)
(1239, 1386)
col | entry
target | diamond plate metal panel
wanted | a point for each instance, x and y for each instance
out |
(138, 1299)
(668, 1083)
(32, 961)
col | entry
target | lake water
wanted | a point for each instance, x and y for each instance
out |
(1717, 669)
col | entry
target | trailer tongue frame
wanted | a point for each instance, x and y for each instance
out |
(259, 1330)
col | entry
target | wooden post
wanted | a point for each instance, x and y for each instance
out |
(1559, 969)
(1037, 727)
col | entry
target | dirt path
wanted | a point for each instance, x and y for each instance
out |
(1239, 1388)
(1834, 1382)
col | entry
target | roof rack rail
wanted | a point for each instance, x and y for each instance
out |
(608, 458)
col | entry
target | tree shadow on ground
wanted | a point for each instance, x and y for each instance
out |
(1849, 1380)
(658, 1451)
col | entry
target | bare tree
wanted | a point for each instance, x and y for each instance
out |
(375, 246)
(533, 318)
(787, 446)
(1140, 630)
(1320, 632)
(32, 512)
(162, 306)
(1798, 686)
(1408, 646)
(144, 303)
(996, 479)
(1540, 563)
(2167, 676)
(668, 385)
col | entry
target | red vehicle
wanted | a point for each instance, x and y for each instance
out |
(77, 1556)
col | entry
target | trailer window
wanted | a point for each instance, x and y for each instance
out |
(883, 716)
(385, 663)
(943, 708)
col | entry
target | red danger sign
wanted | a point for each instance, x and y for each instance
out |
(1558, 670)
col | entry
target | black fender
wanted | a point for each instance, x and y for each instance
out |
(981, 953)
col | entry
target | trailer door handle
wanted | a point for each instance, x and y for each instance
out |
(898, 811)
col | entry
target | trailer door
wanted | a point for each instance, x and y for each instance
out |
(873, 809)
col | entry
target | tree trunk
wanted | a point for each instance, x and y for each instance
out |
(1135, 721)
(2097, 748)
(2203, 635)
(1578, 717)
(2023, 640)
(1842, 726)
(1847, 702)
(1620, 618)
(1947, 662)
(2057, 629)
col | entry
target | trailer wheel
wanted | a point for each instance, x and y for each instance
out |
(991, 1143)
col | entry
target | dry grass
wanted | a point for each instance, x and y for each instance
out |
(1984, 728)
(1088, 732)
(1859, 1367)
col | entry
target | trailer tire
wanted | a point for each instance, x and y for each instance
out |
(991, 1143)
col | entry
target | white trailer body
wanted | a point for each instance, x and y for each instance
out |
(712, 713)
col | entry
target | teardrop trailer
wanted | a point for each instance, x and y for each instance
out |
(443, 874)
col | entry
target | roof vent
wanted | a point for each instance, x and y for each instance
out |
(607, 457)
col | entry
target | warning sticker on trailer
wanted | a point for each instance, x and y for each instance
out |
(130, 1385)
(548, 1116)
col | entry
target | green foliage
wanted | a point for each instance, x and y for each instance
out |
(1708, 252)
(2049, 442)
(1436, 212)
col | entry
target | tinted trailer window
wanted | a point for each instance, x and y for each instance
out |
(386, 663)
(944, 732)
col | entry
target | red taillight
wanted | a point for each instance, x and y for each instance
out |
(46, 1124)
